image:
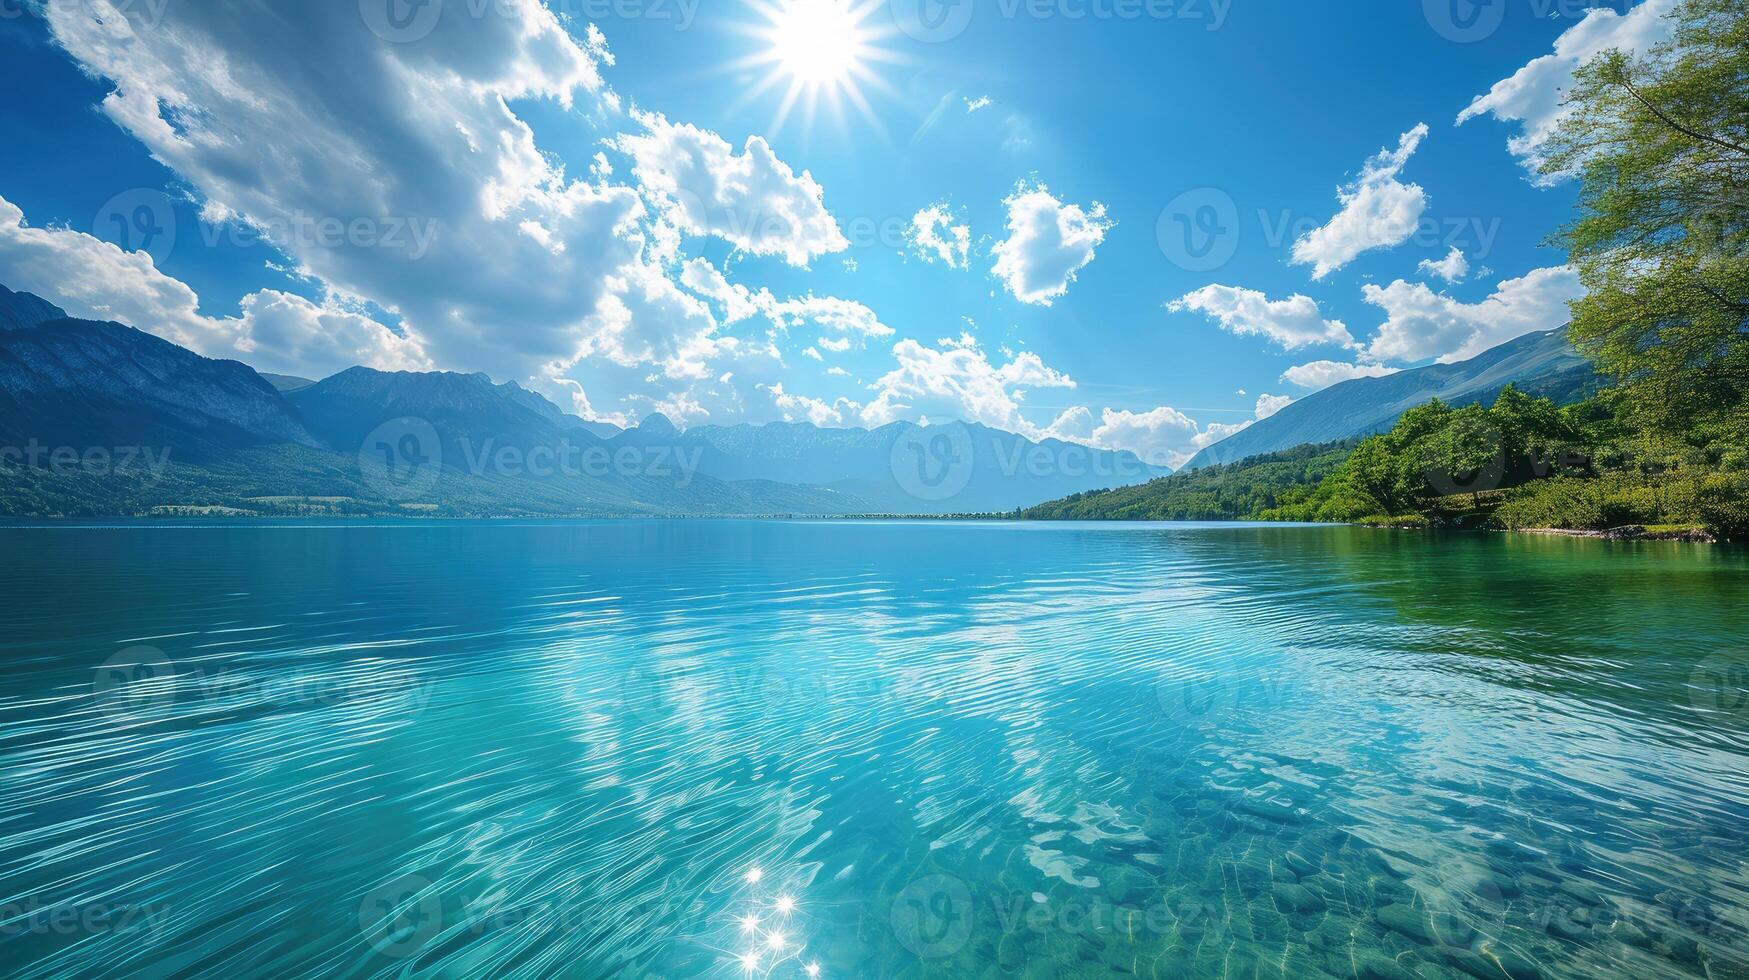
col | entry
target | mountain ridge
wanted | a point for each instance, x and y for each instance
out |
(1543, 364)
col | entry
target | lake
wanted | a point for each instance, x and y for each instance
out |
(794, 749)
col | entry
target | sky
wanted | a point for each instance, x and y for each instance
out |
(1136, 224)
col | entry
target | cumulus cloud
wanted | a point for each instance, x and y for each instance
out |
(1421, 323)
(815, 410)
(957, 380)
(935, 237)
(1293, 323)
(1048, 243)
(1453, 268)
(1162, 436)
(1318, 375)
(1268, 405)
(751, 199)
(278, 332)
(847, 318)
(1532, 95)
(277, 116)
(1378, 211)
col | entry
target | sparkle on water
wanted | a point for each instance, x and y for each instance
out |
(776, 749)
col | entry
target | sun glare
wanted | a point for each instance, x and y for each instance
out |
(817, 41)
(816, 52)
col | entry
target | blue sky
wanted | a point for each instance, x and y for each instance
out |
(566, 196)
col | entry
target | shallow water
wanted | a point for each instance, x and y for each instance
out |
(959, 749)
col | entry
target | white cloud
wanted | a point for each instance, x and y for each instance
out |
(276, 331)
(1319, 375)
(646, 319)
(1162, 437)
(844, 316)
(1532, 96)
(752, 199)
(1293, 323)
(840, 316)
(1268, 405)
(934, 237)
(973, 105)
(814, 410)
(1378, 211)
(1453, 268)
(1421, 323)
(958, 381)
(1048, 243)
(278, 115)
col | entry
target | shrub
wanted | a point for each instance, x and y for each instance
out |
(1413, 522)
(1564, 502)
(1724, 507)
(1638, 506)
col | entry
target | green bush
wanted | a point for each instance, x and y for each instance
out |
(1413, 522)
(1724, 507)
(1564, 502)
(1637, 506)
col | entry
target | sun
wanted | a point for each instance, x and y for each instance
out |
(817, 52)
(818, 42)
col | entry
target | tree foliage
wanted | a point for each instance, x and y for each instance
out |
(1660, 144)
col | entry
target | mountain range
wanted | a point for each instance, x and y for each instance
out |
(227, 439)
(1542, 364)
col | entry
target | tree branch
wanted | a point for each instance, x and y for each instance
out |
(1673, 124)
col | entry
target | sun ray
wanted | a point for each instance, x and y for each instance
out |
(824, 49)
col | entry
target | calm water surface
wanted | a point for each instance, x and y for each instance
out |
(884, 749)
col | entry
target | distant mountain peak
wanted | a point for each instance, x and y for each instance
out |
(656, 423)
(21, 310)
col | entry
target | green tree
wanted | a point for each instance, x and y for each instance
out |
(1660, 143)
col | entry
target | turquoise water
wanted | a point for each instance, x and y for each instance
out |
(976, 750)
